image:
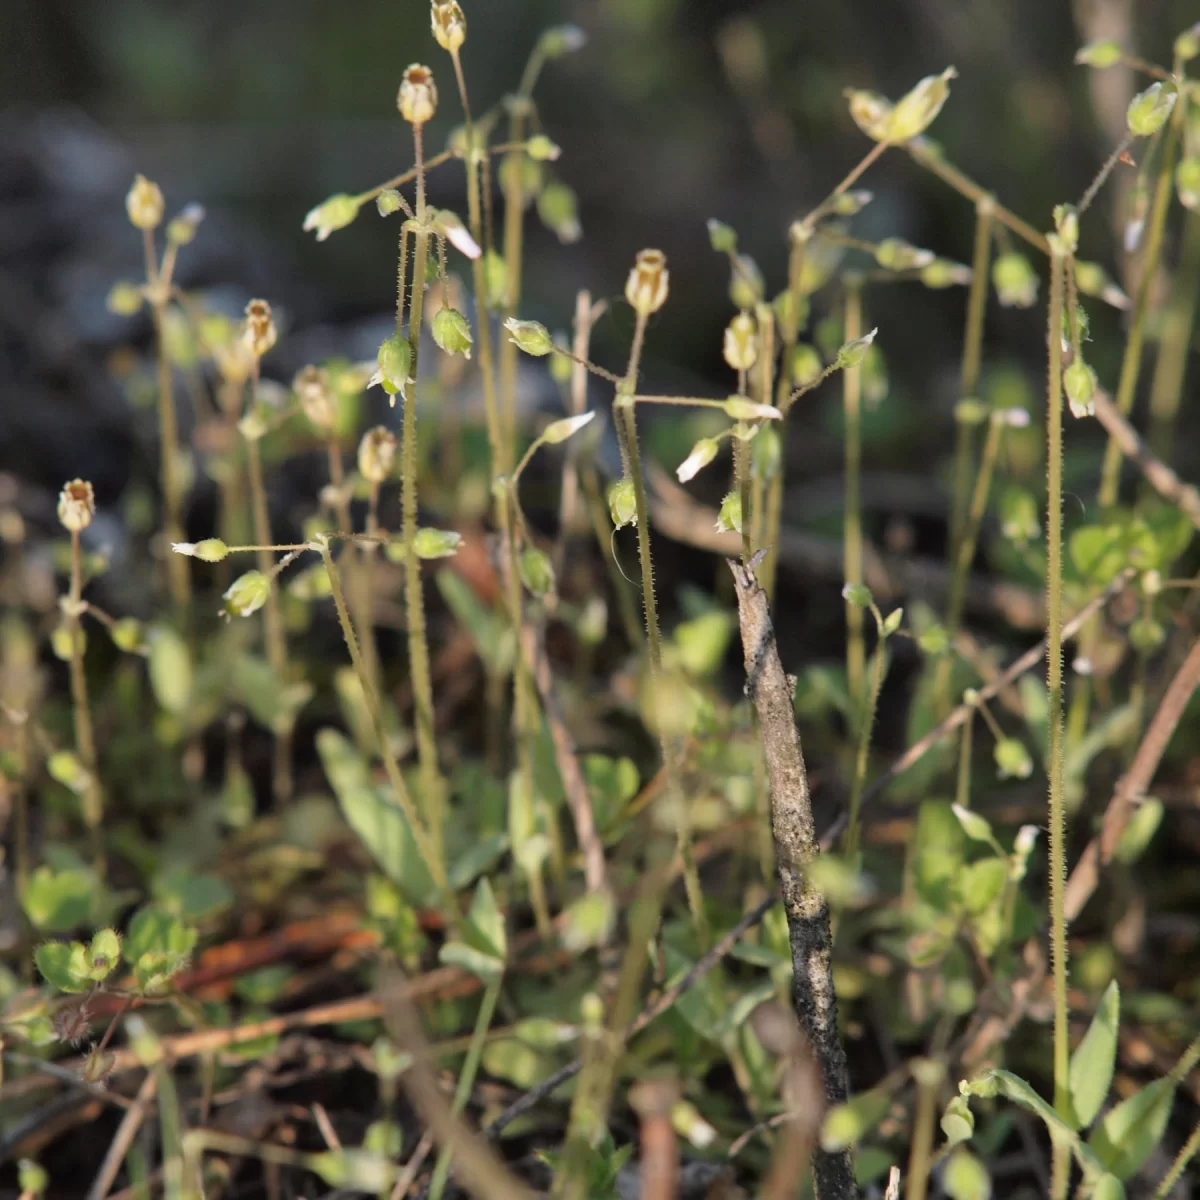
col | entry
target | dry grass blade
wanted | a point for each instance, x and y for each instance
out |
(135, 1114)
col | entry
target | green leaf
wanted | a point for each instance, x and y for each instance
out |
(958, 1121)
(157, 945)
(981, 884)
(375, 817)
(1143, 825)
(612, 783)
(487, 922)
(588, 921)
(103, 954)
(965, 1177)
(1127, 1135)
(701, 642)
(56, 901)
(491, 637)
(1092, 1063)
(479, 856)
(458, 954)
(65, 965)
(846, 1124)
(170, 667)
(975, 826)
(192, 897)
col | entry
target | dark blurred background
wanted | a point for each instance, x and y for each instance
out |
(676, 111)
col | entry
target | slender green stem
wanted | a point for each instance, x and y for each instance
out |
(85, 739)
(433, 861)
(962, 788)
(466, 1080)
(514, 234)
(879, 662)
(852, 536)
(1054, 686)
(928, 1074)
(432, 785)
(1131, 363)
(1186, 1153)
(1166, 390)
(741, 474)
(276, 643)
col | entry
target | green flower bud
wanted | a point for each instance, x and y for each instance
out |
(806, 366)
(1079, 380)
(934, 641)
(182, 229)
(209, 550)
(848, 204)
(377, 454)
(394, 361)
(622, 503)
(1187, 44)
(1015, 281)
(125, 299)
(536, 570)
(452, 332)
(1146, 636)
(561, 39)
(943, 273)
(741, 342)
(722, 237)
(247, 594)
(449, 24)
(971, 411)
(729, 515)
(738, 408)
(702, 453)
(871, 112)
(1148, 111)
(144, 204)
(388, 201)
(895, 254)
(495, 276)
(746, 283)
(766, 453)
(61, 641)
(335, 213)
(1093, 280)
(791, 314)
(541, 149)
(558, 209)
(857, 595)
(1012, 759)
(1099, 54)
(1187, 182)
(559, 431)
(530, 336)
(436, 543)
(915, 112)
(126, 635)
(852, 353)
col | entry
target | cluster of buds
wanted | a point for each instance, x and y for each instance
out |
(648, 283)
(258, 331)
(316, 396)
(76, 505)
(418, 97)
(377, 454)
(449, 24)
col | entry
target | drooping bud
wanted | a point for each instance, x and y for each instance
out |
(1187, 44)
(258, 332)
(738, 408)
(541, 149)
(558, 208)
(702, 453)
(530, 336)
(247, 594)
(388, 201)
(741, 342)
(436, 543)
(449, 24)
(393, 361)
(1093, 280)
(335, 213)
(377, 454)
(559, 431)
(536, 570)
(848, 204)
(1079, 381)
(746, 288)
(895, 254)
(452, 332)
(450, 226)
(722, 237)
(125, 299)
(1099, 54)
(1149, 110)
(852, 353)
(857, 595)
(317, 398)
(648, 283)
(729, 515)
(872, 112)
(210, 550)
(76, 505)
(1013, 760)
(144, 203)
(622, 503)
(182, 228)
(561, 39)
(944, 273)
(417, 98)
(806, 366)
(1015, 281)
(915, 112)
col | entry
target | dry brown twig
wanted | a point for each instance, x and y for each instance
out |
(796, 848)
(1131, 788)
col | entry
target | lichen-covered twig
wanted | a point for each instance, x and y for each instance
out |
(796, 848)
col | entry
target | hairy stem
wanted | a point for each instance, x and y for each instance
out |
(852, 536)
(85, 739)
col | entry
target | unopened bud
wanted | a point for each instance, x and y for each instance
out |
(258, 332)
(436, 543)
(1187, 182)
(852, 353)
(450, 226)
(729, 515)
(541, 149)
(806, 366)
(741, 342)
(562, 39)
(144, 204)
(1015, 281)
(746, 288)
(530, 336)
(1066, 226)
(388, 201)
(1187, 44)
(182, 229)
(1099, 54)
(558, 208)
(393, 362)
(848, 204)
(857, 595)
(559, 431)
(377, 454)
(648, 282)
(944, 273)
(1013, 761)
(702, 453)
(915, 112)
(738, 408)
(452, 332)
(449, 24)
(722, 237)
(872, 112)
(76, 505)
(247, 594)
(537, 573)
(1079, 380)
(316, 396)
(210, 550)
(417, 98)
(125, 299)
(335, 213)
(622, 503)
(895, 254)
(1148, 111)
